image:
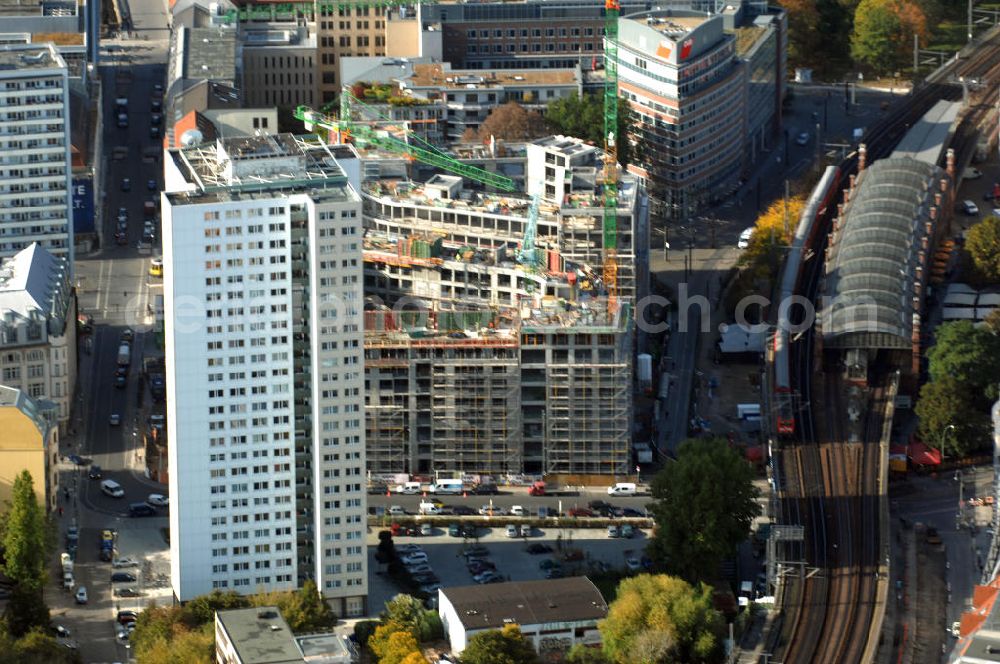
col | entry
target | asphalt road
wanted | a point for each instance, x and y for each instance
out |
(114, 287)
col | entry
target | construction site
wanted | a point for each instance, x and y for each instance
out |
(492, 344)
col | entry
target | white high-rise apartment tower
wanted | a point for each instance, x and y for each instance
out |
(265, 362)
(35, 173)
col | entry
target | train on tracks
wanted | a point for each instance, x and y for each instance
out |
(792, 318)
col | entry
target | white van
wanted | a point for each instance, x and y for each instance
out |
(112, 488)
(409, 488)
(622, 489)
(429, 508)
(745, 236)
(449, 486)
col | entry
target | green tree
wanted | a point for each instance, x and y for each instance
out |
(202, 609)
(971, 355)
(305, 611)
(37, 646)
(983, 245)
(415, 657)
(499, 646)
(704, 505)
(26, 610)
(583, 117)
(805, 38)
(662, 619)
(409, 612)
(24, 535)
(947, 402)
(883, 32)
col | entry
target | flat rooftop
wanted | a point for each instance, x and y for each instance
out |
(260, 635)
(258, 167)
(674, 27)
(573, 599)
(25, 57)
(209, 53)
(435, 75)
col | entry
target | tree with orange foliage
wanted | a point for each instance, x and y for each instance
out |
(884, 30)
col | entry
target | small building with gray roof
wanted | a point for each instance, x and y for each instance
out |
(554, 614)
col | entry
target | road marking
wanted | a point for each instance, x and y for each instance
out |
(141, 293)
(107, 288)
(100, 280)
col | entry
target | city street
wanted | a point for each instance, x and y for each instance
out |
(114, 287)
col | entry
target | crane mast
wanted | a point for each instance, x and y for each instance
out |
(611, 11)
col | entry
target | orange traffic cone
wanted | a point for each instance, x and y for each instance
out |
(388, 493)
(425, 494)
(465, 495)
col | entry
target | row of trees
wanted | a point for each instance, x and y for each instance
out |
(881, 32)
(186, 634)
(25, 534)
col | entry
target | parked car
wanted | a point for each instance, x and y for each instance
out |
(627, 531)
(475, 551)
(426, 530)
(512, 531)
(127, 616)
(484, 577)
(396, 510)
(538, 547)
(126, 562)
(151, 185)
(487, 510)
(629, 512)
(633, 564)
(454, 530)
(970, 208)
(518, 510)
(414, 557)
(744, 240)
(126, 184)
(94, 473)
(802, 138)
(525, 530)
(126, 592)
(81, 595)
(122, 577)
(614, 532)
(114, 419)
(420, 568)
(554, 573)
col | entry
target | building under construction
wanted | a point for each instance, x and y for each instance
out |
(492, 346)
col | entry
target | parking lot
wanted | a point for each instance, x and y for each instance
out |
(512, 560)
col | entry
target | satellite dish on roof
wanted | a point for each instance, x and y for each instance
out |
(191, 138)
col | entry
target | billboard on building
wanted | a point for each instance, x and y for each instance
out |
(83, 204)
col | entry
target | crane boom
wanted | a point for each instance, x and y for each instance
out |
(360, 132)
(611, 12)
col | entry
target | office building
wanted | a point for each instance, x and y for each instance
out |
(30, 441)
(264, 359)
(38, 329)
(706, 90)
(35, 170)
(478, 360)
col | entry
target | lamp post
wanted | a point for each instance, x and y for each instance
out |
(944, 436)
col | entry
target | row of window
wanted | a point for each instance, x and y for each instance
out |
(511, 33)
(219, 584)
